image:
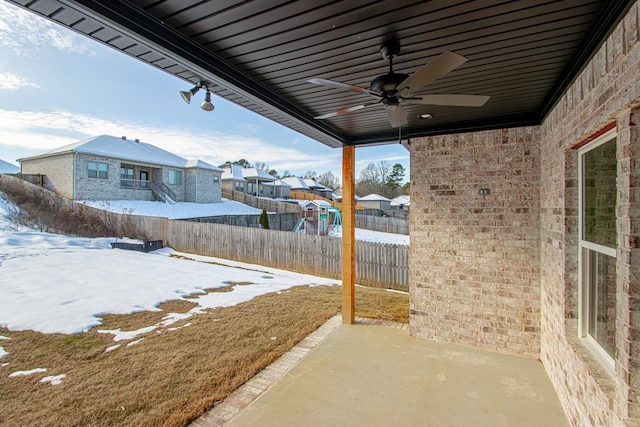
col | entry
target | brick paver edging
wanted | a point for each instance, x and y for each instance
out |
(247, 393)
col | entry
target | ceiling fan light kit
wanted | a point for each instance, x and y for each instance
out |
(395, 89)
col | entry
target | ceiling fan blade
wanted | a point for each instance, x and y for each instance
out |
(345, 111)
(442, 65)
(449, 99)
(344, 86)
(397, 117)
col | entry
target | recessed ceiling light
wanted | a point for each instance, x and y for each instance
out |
(426, 116)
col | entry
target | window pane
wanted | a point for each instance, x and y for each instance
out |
(602, 299)
(599, 192)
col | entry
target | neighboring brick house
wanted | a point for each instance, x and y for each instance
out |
(306, 185)
(111, 168)
(374, 201)
(253, 181)
(538, 228)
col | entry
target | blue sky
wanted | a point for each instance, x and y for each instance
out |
(57, 87)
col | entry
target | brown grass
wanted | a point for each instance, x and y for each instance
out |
(171, 377)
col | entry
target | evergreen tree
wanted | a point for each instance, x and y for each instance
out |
(264, 219)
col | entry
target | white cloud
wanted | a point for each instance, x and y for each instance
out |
(10, 81)
(24, 32)
(47, 130)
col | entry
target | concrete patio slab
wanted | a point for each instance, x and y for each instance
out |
(376, 375)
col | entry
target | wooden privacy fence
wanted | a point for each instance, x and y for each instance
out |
(384, 224)
(377, 265)
(281, 221)
(260, 202)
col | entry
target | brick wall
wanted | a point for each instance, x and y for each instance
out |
(607, 91)
(459, 288)
(201, 187)
(475, 258)
(59, 172)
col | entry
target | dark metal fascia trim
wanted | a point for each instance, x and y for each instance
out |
(138, 25)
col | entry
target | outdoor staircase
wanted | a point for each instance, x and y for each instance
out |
(163, 193)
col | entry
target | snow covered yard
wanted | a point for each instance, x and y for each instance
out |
(154, 349)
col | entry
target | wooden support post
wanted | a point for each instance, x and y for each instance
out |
(348, 235)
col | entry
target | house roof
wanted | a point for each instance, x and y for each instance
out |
(401, 200)
(233, 172)
(6, 167)
(200, 164)
(122, 149)
(374, 197)
(524, 54)
(311, 183)
(278, 183)
(316, 202)
(254, 173)
(296, 182)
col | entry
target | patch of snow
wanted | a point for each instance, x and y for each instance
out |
(3, 338)
(126, 335)
(377, 237)
(179, 210)
(54, 379)
(180, 327)
(24, 373)
(113, 347)
(5, 364)
(134, 342)
(86, 279)
(3, 352)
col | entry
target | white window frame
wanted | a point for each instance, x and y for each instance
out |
(98, 170)
(173, 173)
(584, 266)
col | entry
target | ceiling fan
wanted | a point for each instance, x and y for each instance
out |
(393, 90)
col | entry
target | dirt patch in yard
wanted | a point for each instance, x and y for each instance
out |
(173, 375)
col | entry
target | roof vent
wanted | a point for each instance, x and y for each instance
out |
(124, 138)
(137, 140)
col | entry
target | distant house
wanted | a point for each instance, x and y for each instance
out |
(8, 168)
(297, 184)
(374, 201)
(232, 178)
(111, 168)
(278, 189)
(306, 185)
(319, 189)
(401, 203)
(253, 181)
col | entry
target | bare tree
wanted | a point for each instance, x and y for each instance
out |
(328, 179)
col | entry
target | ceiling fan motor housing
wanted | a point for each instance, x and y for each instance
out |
(387, 82)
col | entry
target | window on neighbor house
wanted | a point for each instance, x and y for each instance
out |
(97, 170)
(239, 186)
(216, 179)
(597, 246)
(175, 177)
(126, 176)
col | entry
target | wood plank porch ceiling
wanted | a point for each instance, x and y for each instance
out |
(260, 54)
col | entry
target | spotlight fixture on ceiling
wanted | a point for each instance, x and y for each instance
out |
(206, 105)
(426, 116)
